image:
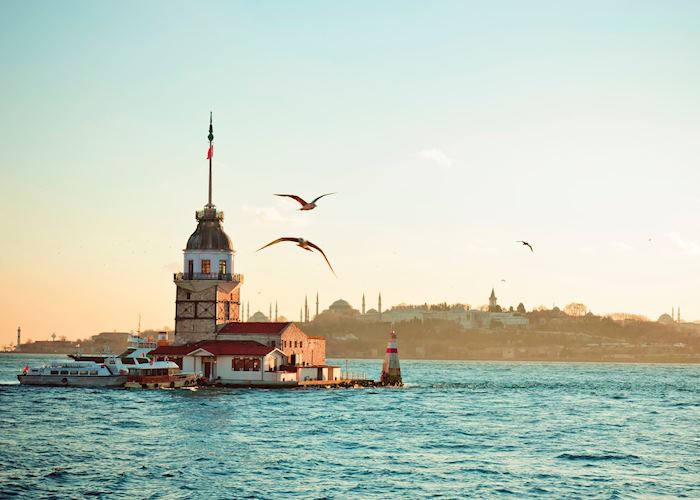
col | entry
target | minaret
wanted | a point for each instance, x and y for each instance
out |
(247, 318)
(492, 301)
(379, 306)
(306, 309)
(678, 312)
(316, 306)
(208, 293)
(673, 312)
(269, 318)
(363, 304)
(19, 339)
(301, 315)
(275, 311)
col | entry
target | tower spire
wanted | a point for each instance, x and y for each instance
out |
(210, 154)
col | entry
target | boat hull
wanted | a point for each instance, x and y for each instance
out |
(164, 382)
(73, 381)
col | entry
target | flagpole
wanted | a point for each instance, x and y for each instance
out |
(211, 153)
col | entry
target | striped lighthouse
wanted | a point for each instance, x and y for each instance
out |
(391, 371)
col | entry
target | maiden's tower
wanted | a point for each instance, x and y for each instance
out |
(210, 338)
(208, 291)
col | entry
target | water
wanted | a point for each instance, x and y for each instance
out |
(458, 429)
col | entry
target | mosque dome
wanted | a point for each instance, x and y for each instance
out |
(340, 306)
(209, 234)
(372, 311)
(258, 317)
(666, 319)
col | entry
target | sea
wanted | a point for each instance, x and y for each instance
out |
(456, 430)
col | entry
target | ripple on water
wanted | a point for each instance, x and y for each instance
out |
(458, 429)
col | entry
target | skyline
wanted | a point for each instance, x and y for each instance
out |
(449, 131)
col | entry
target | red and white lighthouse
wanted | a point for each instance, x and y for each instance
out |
(391, 371)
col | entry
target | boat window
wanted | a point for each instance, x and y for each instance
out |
(74, 372)
(54, 372)
(83, 372)
(144, 361)
(64, 372)
(128, 361)
(93, 372)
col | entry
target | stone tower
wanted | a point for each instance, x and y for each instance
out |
(208, 293)
(493, 304)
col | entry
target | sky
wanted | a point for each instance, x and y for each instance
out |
(448, 129)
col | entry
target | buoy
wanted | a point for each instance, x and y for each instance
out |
(391, 371)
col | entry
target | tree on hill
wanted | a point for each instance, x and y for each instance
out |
(576, 309)
(521, 308)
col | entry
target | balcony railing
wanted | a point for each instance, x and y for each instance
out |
(209, 214)
(208, 276)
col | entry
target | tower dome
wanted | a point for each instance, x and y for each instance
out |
(209, 234)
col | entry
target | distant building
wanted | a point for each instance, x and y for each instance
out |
(115, 342)
(258, 317)
(463, 314)
(340, 309)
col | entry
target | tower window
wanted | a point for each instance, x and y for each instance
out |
(190, 267)
(206, 266)
(222, 267)
(188, 295)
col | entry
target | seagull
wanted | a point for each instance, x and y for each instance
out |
(525, 243)
(305, 244)
(305, 205)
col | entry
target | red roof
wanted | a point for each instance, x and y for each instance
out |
(254, 327)
(216, 347)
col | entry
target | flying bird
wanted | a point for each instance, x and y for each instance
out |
(302, 243)
(305, 205)
(525, 243)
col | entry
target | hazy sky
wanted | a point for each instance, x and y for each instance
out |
(449, 129)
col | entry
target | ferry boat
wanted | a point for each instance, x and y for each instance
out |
(75, 373)
(87, 371)
(159, 374)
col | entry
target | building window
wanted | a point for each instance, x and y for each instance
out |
(206, 266)
(190, 267)
(188, 295)
(272, 344)
(237, 364)
(222, 267)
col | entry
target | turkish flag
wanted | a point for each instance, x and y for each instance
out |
(210, 153)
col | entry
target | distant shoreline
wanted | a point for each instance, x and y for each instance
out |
(651, 361)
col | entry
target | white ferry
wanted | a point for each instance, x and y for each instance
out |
(75, 373)
(87, 371)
